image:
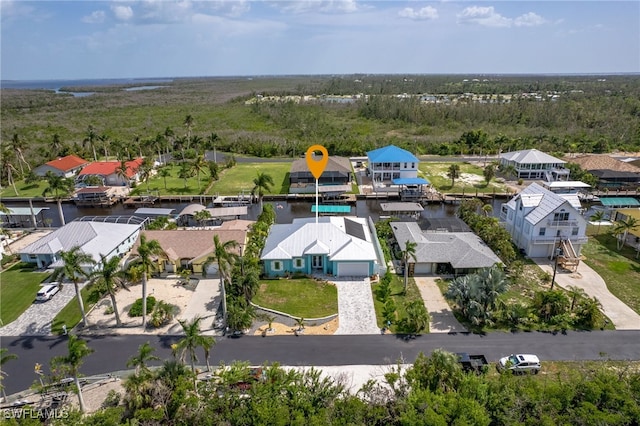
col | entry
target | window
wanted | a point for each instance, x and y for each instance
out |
(542, 232)
(299, 263)
(560, 216)
(413, 165)
(277, 265)
(574, 231)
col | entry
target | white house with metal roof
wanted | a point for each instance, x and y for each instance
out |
(391, 162)
(541, 221)
(337, 245)
(534, 164)
(444, 252)
(93, 238)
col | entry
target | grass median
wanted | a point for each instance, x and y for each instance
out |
(18, 288)
(299, 297)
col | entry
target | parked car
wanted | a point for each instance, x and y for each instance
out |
(47, 292)
(520, 363)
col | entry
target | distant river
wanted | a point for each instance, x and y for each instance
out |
(57, 84)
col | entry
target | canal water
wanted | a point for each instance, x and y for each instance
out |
(286, 211)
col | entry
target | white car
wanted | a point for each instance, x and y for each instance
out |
(47, 292)
(520, 363)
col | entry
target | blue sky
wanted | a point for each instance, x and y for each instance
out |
(158, 38)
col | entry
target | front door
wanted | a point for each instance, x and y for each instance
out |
(316, 262)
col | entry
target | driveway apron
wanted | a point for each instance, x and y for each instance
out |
(442, 319)
(355, 307)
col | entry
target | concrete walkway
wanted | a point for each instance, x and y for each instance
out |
(204, 303)
(622, 316)
(37, 319)
(442, 318)
(355, 307)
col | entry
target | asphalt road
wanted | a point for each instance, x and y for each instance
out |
(112, 352)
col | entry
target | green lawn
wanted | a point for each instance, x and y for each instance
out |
(24, 190)
(300, 297)
(240, 178)
(471, 179)
(619, 269)
(400, 299)
(174, 185)
(70, 315)
(18, 288)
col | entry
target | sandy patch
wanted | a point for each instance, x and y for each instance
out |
(467, 178)
(310, 330)
(165, 289)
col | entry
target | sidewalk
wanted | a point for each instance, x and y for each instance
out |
(442, 319)
(622, 316)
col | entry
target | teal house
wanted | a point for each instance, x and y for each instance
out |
(338, 246)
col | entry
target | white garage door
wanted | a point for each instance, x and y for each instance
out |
(353, 269)
(422, 269)
(212, 270)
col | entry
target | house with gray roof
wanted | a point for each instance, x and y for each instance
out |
(534, 164)
(94, 238)
(443, 252)
(540, 221)
(336, 176)
(337, 245)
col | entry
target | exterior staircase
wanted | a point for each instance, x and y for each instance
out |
(568, 259)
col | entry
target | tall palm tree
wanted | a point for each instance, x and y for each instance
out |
(77, 351)
(408, 253)
(4, 358)
(60, 188)
(139, 361)
(146, 250)
(145, 170)
(453, 172)
(598, 216)
(622, 228)
(164, 172)
(56, 145)
(192, 340)
(8, 168)
(202, 216)
(223, 256)
(74, 260)
(261, 184)
(189, 123)
(185, 172)
(211, 140)
(121, 172)
(90, 140)
(198, 166)
(112, 276)
(104, 142)
(18, 146)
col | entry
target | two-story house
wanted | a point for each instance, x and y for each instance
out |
(534, 164)
(389, 163)
(541, 222)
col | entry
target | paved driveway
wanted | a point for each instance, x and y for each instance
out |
(204, 304)
(355, 307)
(442, 318)
(622, 316)
(37, 319)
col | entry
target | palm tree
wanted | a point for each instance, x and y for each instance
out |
(575, 293)
(622, 228)
(121, 172)
(164, 173)
(598, 216)
(89, 139)
(145, 170)
(188, 123)
(18, 146)
(223, 256)
(78, 350)
(487, 209)
(72, 270)
(4, 358)
(263, 182)
(140, 360)
(212, 139)
(60, 188)
(408, 253)
(146, 250)
(56, 145)
(192, 340)
(112, 276)
(8, 169)
(489, 173)
(104, 141)
(202, 216)
(453, 173)
(198, 166)
(185, 172)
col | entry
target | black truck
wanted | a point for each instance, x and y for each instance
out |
(473, 363)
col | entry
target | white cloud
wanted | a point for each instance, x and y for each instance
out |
(325, 6)
(529, 20)
(123, 13)
(96, 17)
(418, 14)
(488, 17)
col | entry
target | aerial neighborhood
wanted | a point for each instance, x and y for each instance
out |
(213, 235)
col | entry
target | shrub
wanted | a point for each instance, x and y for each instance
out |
(112, 399)
(136, 308)
(162, 314)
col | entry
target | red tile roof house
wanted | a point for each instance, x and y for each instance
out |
(107, 171)
(64, 167)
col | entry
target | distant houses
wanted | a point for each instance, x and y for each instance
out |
(534, 164)
(64, 167)
(610, 172)
(108, 172)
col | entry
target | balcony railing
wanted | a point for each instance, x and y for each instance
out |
(544, 239)
(562, 223)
